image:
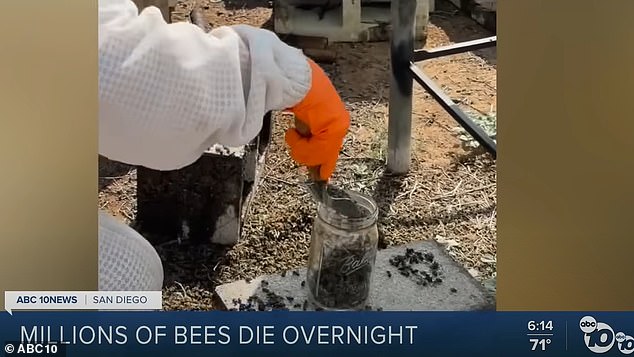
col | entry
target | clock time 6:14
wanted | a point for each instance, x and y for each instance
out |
(540, 326)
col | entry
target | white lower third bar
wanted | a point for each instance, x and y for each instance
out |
(82, 300)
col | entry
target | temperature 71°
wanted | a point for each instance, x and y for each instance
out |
(540, 343)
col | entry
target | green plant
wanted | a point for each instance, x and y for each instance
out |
(488, 123)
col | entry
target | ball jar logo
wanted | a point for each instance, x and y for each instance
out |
(353, 263)
(599, 337)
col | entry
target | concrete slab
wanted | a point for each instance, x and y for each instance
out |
(391, 289)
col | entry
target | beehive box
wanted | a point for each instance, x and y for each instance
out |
(206, 201)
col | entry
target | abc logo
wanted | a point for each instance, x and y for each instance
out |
(588, 324)
(599, 337)
(625, 343)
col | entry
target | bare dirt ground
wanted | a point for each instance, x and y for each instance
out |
(449, 194)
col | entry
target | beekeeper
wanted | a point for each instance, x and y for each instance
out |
(168, 92)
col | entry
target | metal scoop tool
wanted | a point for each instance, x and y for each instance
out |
(319, 188)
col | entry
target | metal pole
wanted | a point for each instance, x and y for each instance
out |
(401, 82)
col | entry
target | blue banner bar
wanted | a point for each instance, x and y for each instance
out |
(279, 334)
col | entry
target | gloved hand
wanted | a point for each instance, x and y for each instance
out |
(327, 119)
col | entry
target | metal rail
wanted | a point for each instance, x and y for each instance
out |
(452, 108)
(457, 48)
(404, 72)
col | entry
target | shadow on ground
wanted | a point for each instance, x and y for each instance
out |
(460, 28)
(387, 188)
(245, 4)
(188, 263)
(111, 170)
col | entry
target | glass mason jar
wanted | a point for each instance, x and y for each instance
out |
(342, 256)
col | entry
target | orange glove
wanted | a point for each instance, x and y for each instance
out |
(325, 115)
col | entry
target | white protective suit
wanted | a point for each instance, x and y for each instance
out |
(167, 93)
